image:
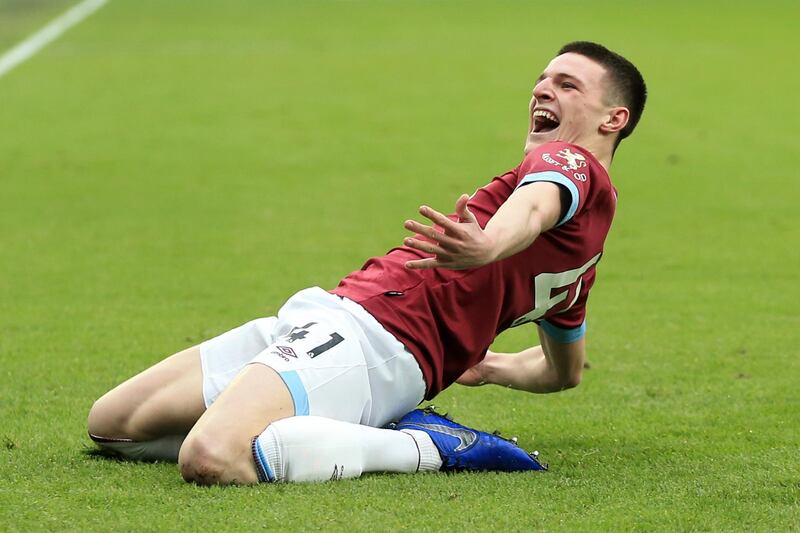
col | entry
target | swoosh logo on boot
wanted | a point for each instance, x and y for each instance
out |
(466, 438)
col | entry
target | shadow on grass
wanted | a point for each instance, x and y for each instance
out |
(108, 455)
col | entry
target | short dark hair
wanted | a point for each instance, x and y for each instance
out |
(627, 85)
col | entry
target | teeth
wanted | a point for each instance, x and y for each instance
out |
(546, 114)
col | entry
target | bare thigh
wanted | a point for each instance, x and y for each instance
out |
(218, 448)
(166, 399)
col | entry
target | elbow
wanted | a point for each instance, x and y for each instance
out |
(558, 383)
(570, 381)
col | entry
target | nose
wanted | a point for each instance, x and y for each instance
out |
(543, 91)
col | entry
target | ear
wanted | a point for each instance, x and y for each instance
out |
(616, 119)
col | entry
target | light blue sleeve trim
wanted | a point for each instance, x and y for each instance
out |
(564, 336)
(298, 392)
(561, 179)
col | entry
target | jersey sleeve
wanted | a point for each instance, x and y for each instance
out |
(567, 327)
(564, 335)
(570, 325)
(561, 163)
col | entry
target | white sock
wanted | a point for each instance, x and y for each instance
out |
(312, 448)
(161, 449)
(429, 458)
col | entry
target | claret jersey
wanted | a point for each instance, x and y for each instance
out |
(448, 318)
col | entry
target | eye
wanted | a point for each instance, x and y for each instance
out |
(568, 85)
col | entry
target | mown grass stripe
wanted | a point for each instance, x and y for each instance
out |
(27, 48)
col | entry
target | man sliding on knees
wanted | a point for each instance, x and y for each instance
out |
(327, 388)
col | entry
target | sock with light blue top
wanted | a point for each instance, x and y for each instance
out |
(312, 448)
(264, 453)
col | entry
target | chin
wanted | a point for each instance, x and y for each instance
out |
(535, 140)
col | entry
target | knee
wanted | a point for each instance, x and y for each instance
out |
(199, 462)
(107, 419)
(206, 461)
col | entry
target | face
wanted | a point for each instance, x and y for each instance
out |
(569, 104)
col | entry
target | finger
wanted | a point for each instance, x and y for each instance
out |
(430, 232)
(424, 246)
(461, 205)
(420, 264)
(438, 218)
(462, 209)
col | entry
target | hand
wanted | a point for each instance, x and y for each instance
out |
(473, 377)
(460, 245)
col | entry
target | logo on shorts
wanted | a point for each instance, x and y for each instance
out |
(285, 350)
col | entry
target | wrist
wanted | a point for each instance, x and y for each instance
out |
(493, 251)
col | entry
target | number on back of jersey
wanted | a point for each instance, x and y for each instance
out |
(545, 285)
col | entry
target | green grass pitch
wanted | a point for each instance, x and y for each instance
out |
(169, 170)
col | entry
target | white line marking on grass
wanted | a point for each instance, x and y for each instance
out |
(48, 34)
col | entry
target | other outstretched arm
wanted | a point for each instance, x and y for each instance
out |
(551, 367)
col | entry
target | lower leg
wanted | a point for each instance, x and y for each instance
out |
(147, 416)
(221, 449)
(310, 448)
(160, 449)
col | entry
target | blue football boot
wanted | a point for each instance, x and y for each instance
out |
(463, 448)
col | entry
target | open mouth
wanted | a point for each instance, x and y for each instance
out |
(544, 121)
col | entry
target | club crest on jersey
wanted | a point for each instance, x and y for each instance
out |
(574, 161)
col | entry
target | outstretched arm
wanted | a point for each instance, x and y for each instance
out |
(528, 212)
(551, 367)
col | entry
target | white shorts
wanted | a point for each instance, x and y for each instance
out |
(335, 358)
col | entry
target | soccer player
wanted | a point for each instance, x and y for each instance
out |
(306, 395)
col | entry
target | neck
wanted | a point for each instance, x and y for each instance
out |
(603, 152)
